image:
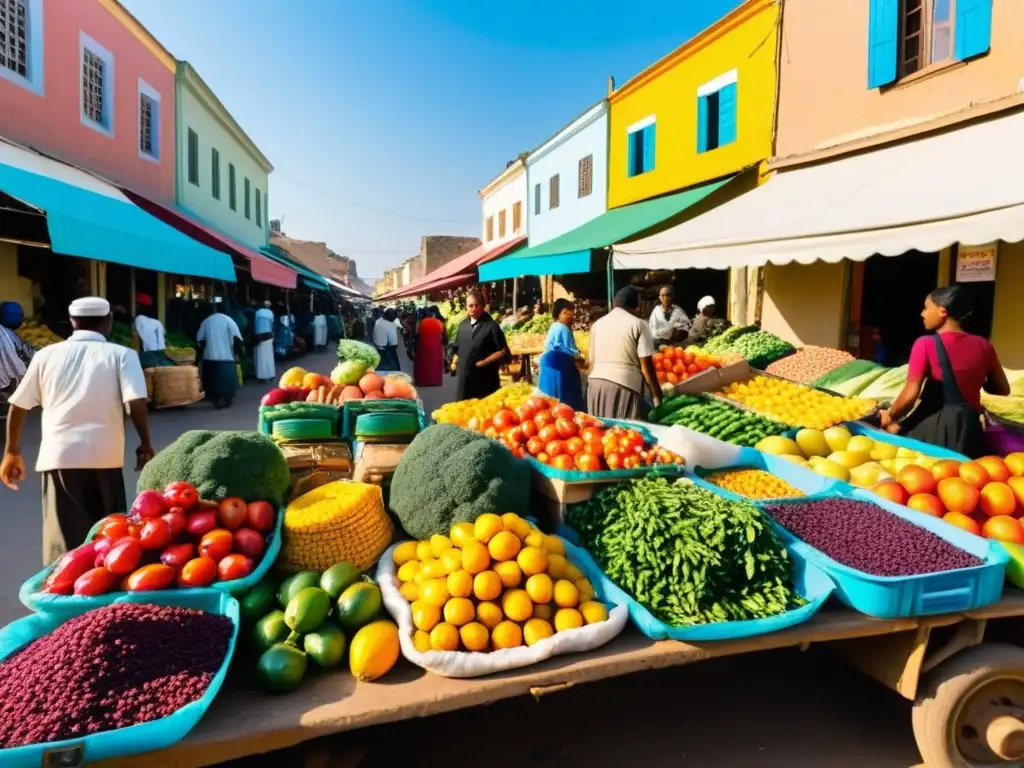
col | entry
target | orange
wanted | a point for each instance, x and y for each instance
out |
(546, 612)
(425, 616)
(975, 474)
(460, 584)
(568, 618)
(1017, 484)
(958, 496)
(487, 585)
(593, 611)
(925, 502)
(444, 637)
(540, 588)
(506, 635)
(916, 480)
(475, 557)
(1015, 463)
(1003, 528)
(510, 572)
(517, 605)
(566, 594)
(475, 636)
(504, 546)
(536, 630)
(892, 491)
(486, 527)
(459, 611)
(961, 520)
(998, 499)
(434, 592)
(946, 468)
(996, 468)
(488, 614)
(532, 560)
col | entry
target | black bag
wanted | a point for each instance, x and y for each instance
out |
(261, 337)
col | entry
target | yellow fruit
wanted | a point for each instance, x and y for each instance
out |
(475, 557)
(433, 569)
(374, 650)
(556, 566)
(489, 615)
(461, 533)
(517, 605)
(444, 637)
(459, 611)
(460, 584)
(487, 585)
(539, 587)
(546, 612)
(535, 539)
(554, 545)
(585, 589)
(423, 550)
(568, 618)
(408, 571)
(451, 559)
(593, 611)
(410, 591)
(510, 572)
(510, 521)
(506, 635)
(533, 560)
(536, 630)
(475, 636)
(572, 573)
(404, 552)
(504, 546)
(566, 594)
(425, 616)
(438, 544)
(486, 527)
(435, 592)
(421, 641)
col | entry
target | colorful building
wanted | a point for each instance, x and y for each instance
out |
(504, 203)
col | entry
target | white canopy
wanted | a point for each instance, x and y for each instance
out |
(963, 186)
(344, 288)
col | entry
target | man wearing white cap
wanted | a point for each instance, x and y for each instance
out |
(705, 321)
(220, 341)
(83, 385)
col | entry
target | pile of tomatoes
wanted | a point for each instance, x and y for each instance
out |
(555, 434)
(167, 539)
(675, 364)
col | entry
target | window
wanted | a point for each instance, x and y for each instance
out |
(97, 78)
(490, 228)
(259, 209)
(215, 174)
(21, 43)
(553, 192)
(585, 183)
(640, 147)
(193, 157)
(248, 208)
(536, 199)
(501, 223)
(716, 113)
(232, 198)
(517, 217)
(926, 34)
(149, 121)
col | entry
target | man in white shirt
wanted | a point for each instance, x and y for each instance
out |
(263, 328)
(151, 334)
(668, 321)
(83, 385)
(385, 338)
(319, 332)
(220, 341)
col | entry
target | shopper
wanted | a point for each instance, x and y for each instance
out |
(15, 354)
(385, 338)
(948, 370)
(559, 373)
(263, 335)
(83, 385)
(428, 368)
(619, 358)
(320, 332)
(152, 342)
(481, 348)
(220, 343)
(668, 321)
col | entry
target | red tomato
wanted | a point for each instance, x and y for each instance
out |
(232, 513)
(177, 555)
(585, 462)
(249, 542)
(519, 451)
(504, 419)
(566, 428)
(630, 462)
(537, 402)
(148, 504)
(97, 581)
(543, 458)
(216, 544)
(109, 520)
(555, 448)
(563, 411)
(529, 429)
(563, 461)
(124, 556)
(156, 533)
(177, 520)
(594, 448)
(516, 436)
(260, 516)
(151, 577)
(548, 433)
(114, 527)
(234, 567)
(491, 432)
(574, 445)
(526, 412)
(543, 418)
(591, 434)
(200, 523)
(534, 446)
(102, 545)
(198, 572)
(657, 357)
(182, 494)
(613, 460)
(635, 439)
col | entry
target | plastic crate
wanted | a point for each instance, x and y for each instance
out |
(353, 409)
(301, 430)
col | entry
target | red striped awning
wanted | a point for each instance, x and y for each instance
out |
(459, 271)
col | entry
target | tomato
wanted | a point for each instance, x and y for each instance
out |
(181, 494)
(148, 504)
(177, 555)
(177, 520)
(543, 458)
(151, 577)
(101, 546)
(526, 412)
(631, 462)
(548, 433)
(566, 428)
(504, 419)
(155, 534)
(585, 462)
(200, 523)
(574, 446)
(635, 439)
(232, 513)
(594, 448)
(114, 527)
(543, 418)
(519, 451)
(657, 357)
(516, 436)
(534, 446)
(529, 429)
(124, 556)
(217, 543)
(198, 572)
(234, 567)
(260, 516)
(613, 460)
(591, 434)
(555, 448)
(563, 411)
(249, 542)
(491, 432)
(563, 461)
(537, 402)
(97, 581)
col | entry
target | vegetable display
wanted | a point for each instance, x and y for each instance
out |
(867, 538)
(753, 484)
(350, 350)
(537, 324)
(338, 390)
(808, 364)
(716, 419)
(463, 412)
(675, 364)
(110, 668)
(796, 404)
(686, 554)
(846, 372)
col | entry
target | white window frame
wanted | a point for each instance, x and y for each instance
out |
(712, 86)
(145, 89)
(33, 82)
(86, 42)
(639, 125)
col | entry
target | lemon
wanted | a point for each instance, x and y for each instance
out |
(487, 585)
(451, 559)
(506, 635)
(554, 545)
(510, 572)
(489, 614)
(444, 637)
(410, 591)
(421, 641)
(475, 557)
(535, 539)
(567, 618)
(545, 612)
(423, 551)
(433, 569)
(435, 592)
(504, 546)
(475, 636)
(425, 616)
(459, 611)
(593, 611)
(532, 560)
(539, 587)
(556, 566)
(486, 527)
(536, 630)
(510, 521)
(438, 544)
(585, 589)
(517, 605)
(404, 552)
(460, 584)
(461, 533)
(408, 571)
(572, 573)
(566, 594)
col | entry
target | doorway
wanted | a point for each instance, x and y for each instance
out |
(892, 291)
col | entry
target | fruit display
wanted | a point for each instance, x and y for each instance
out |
(759, 348)
(689, 556)
(315, 388)
(533, 343)
(796, 404)
(869, 539)
(462, 412)
(809, 363)
(355, 358)
(753, 484)
(113, 667)
(37, 335)
(675, 364)
(539, 324)
(716, 419)
(493, 584)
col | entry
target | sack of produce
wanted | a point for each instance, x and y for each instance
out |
(164, 658)
(337, 522)
(809, 363)
(492, 596)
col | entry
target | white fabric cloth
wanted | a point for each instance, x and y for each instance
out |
(320, 330)
(617, 342)
(263, 361)
(263, 321)
(82, 385)
(89, 306)
(219, 332)
(151, 334)
(385, 333)
(12, 368)
(663, 327)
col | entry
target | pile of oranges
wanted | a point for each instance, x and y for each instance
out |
(675, 364)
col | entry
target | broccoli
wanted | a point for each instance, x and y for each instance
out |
(221, 464)
(449, 475)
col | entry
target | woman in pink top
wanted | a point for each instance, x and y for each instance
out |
(948, 370)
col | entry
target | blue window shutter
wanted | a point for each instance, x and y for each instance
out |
(648, 148)
(883, 34)
(631, 155)
(727, 115)
(702, 124)
(972, 34)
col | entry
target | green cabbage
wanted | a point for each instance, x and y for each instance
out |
(357, 351)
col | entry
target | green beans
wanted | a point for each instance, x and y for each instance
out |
(687, 555)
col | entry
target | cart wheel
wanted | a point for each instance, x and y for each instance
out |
(970, 710)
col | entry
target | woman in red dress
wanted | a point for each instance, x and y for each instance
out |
(428, 367)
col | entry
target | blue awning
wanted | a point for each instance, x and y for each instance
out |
(91, 219)
(568, 263)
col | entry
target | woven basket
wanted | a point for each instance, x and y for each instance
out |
(176, 387)
(148, 373)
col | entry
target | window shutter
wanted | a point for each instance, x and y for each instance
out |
(973, 30)
(727, 115)
(883, 31)
(702, 124)
(648, 148)
(630, 155)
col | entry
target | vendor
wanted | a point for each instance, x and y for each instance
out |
(706, 319)
(948, 370)
(152, 344)
(668, 321)
(481, 348)
(559, 374)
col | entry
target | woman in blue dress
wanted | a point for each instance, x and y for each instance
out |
(559, 374)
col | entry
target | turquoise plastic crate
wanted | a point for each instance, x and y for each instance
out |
(891, 597)
(811, 483)
(355, 408)
(66, 606)
(301, 430)
(145, 737)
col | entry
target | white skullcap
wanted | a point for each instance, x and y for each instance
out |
(218, 300)
(707, 301)
(90, 306)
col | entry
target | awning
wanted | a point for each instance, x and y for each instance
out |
(309, 278)
(458, 271)
(91, 219)
(964, 186)
(570, 253)
(345, 289)
(263, 269)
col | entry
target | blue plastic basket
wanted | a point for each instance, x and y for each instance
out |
(811, 583)
(145, 737)
(355, 408)
(811, 483)
(66, 606)
(890, 597)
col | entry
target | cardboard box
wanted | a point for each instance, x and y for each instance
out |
(376, 462)
(335, 456)
(713, 379)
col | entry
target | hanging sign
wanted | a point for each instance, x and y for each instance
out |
(976, 263)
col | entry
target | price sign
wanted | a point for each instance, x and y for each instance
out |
(976, 263)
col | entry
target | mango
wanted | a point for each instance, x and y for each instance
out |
(837, 438)
(812, 442)
(777, 445)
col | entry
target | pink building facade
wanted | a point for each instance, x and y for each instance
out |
(84, 82)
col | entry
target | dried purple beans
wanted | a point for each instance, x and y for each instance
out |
(110, 668)
(868, 538)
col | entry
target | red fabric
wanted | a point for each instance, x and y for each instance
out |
(972, 358)
(428, 368)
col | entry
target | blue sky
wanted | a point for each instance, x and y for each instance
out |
(384, 118)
